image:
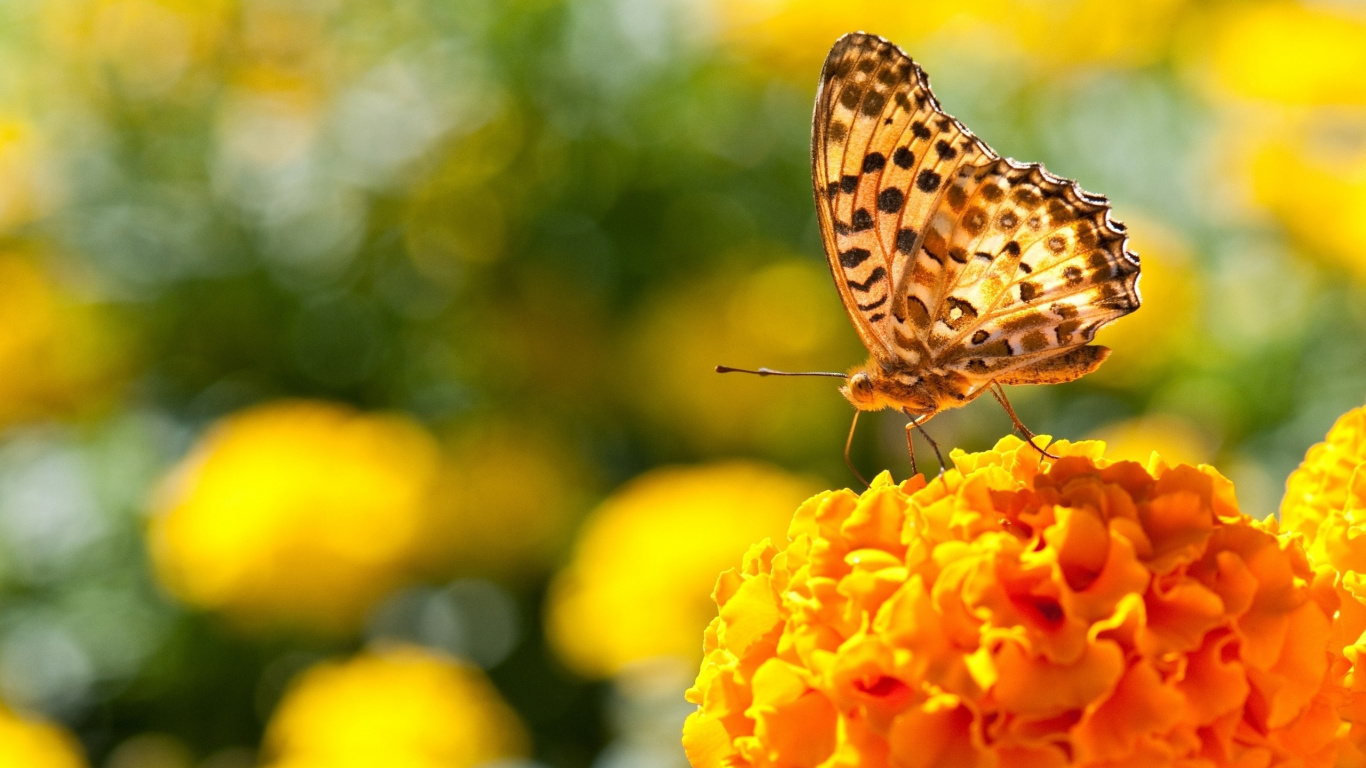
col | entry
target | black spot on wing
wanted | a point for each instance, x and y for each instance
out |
(903, 157)
(919, 130)
(927, 181)
(874, 162)
(863, 220)
(854, 257)
(905, 241)
(890, 200)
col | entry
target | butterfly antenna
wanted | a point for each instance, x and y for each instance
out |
(849, 441)
(1000, 396)
(771, 372)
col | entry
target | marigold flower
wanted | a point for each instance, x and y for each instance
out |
(1324, 508)
(1077, 612)
(296, 512)
(36, 744)
(636, 587)
(403, 707)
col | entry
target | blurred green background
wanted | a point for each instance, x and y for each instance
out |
(357, 393)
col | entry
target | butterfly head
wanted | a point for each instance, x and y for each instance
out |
(871, 389)
(860, 391)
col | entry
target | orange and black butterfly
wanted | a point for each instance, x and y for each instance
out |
(961, 270)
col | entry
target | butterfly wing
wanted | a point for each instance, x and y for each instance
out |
(881, 152)
(1041, 267)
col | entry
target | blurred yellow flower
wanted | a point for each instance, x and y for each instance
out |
(785, 315)
(637, 585)
(24, 188)
(1287, 52)
(59, 355)
(505, 501)
(297, 513)
(399, 708)
(26, 743)
(1169, 436)
(794, 35)
(1078, 612)
(147, 48)
(1317, 187)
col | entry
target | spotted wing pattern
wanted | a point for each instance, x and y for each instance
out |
(948, 256)
(1037, 267)
(881, 151)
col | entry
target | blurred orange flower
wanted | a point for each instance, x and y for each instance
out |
(1077, 612)
(401, 707)
(26, 743)
(296, 512)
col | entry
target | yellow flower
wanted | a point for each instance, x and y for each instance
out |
(1078, 612)
(1287, 52)
(24, 194)
(296, 512)
(1170, 436)
(399, 708)
(1326, 496)
(637, 585)
(28, 743)
(148, 48)
(1325, 508)
(1315, 183)
(59, 354)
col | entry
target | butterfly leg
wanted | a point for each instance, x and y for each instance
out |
(918, 422)
(848, 443)
(910, 447)
(1000, 395)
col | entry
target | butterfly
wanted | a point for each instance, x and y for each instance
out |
(961, 270)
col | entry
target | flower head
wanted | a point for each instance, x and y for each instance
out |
(1077, 612)
(402, 707)
(297, 512)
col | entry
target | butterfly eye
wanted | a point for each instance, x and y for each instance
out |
(861, 385)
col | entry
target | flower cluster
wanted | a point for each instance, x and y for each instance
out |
(1019, 612)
